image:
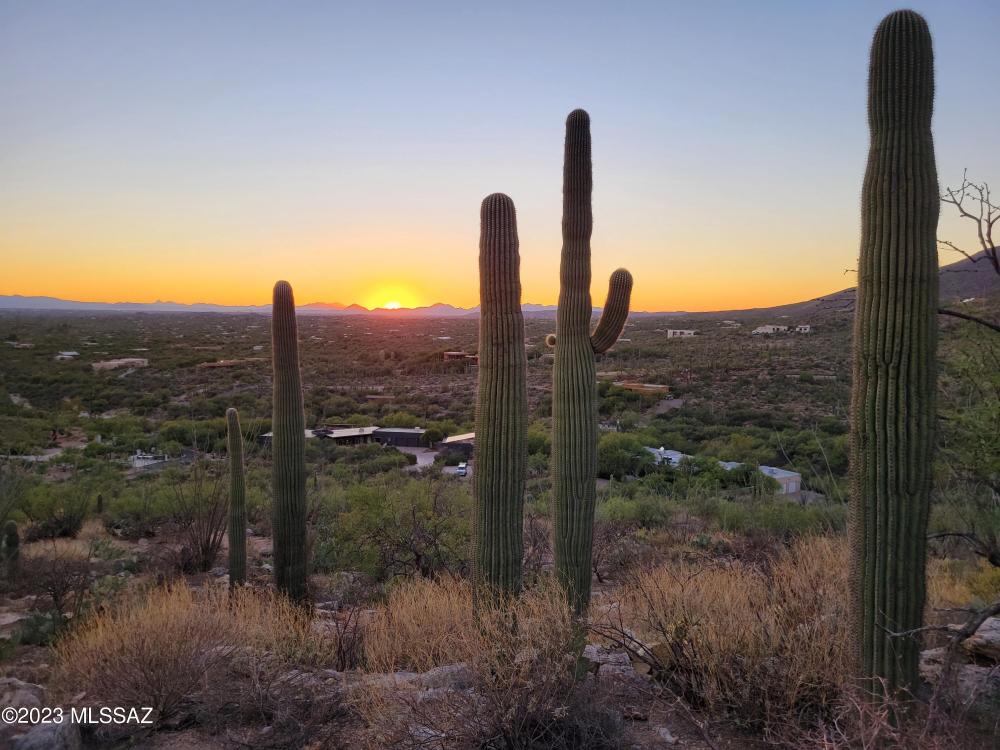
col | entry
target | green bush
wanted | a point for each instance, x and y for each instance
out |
(394, 526)
(644, 509)
(621, 455)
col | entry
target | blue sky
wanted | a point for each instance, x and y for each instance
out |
(202, 150)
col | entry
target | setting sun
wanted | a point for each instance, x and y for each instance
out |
(391, 295)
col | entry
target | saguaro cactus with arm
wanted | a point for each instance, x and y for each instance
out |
(574, 390)
(237, 502)
(288, 446)
(502, 406)
(895, 338)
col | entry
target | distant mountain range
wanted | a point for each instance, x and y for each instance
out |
(961, 280)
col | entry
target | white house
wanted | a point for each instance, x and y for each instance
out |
(662, 455)
(769, 329)
(63, 356)
(676, 333)
(803, 329)
(790, 481)
(142, 460)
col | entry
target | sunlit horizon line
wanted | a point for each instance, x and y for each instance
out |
(393, 305)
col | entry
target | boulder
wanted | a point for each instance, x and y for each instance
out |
(452, 676)
(602, 656)
(985, 642)
(19, 694)
(666, 735)
(976, 687)
(65, 736)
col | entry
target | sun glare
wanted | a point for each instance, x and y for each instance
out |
(392, 305)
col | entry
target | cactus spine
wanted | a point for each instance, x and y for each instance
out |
(288, 447)
(502, 407)
(11, 548)
(574, 392)
(895, 338)
(237, 502)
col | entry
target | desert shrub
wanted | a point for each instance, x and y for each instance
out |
(954, 584)
(222, 657)
(450, 457)
(198, 506)
(416, 628)
(395, 527)
(152, 650)
(537, 546)
(985, 583)
(767, 648)
(615, 549)
(524, 688)
(60, 570)
(641, 509)
(621, 454)
(769, 517)
(55, 511)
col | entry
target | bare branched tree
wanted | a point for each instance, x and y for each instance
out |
(973, 202)
(200, 506)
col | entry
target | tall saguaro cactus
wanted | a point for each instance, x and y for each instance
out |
(288, 446)
(574, 392)
(10, 550)
(502, 406)
(237, 502)
(895, 339)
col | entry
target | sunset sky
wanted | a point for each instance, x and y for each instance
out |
(198, 151)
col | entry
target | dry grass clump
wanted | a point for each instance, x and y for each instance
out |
(420, 626)
(150, 651)
(955, 584)
(518, 686)
(221, 657)
(766, 647)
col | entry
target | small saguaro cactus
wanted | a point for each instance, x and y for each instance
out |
(894, 374)
(10, 547)
(237, 528)
(502, 406)
(288, 447)
(574, 391)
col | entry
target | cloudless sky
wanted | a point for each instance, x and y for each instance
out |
(198, 151)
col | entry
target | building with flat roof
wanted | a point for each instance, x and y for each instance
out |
(678, 333)
(464, 443)
(346, 435)
(402, 437)
(662, 455)
(789, 482)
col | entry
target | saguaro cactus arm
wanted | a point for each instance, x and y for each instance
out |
(615, 312)
(501, 409)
